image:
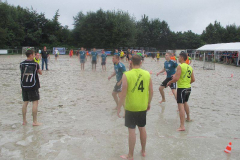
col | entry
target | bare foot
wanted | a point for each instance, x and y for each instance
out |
(115, 108)
(181, 129)
(126, 157)
(37, 124)
(162, 101)
(189, 120)
(143, 153)
(24, 123)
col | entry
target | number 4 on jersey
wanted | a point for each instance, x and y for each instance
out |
(140, 87)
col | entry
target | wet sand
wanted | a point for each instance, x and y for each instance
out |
(79, 123)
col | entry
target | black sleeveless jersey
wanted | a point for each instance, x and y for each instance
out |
(29, 75)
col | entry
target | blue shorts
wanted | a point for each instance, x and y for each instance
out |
(82, 60)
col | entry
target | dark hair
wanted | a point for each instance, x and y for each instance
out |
(184, 55)
(116, 56)
(136, 59)
(29, 52)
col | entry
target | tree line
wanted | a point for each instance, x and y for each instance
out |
(102, 29)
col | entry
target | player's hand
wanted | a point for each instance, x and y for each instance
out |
(168, 84)
(118, 112)
(149, 106)
(158, 74)
(119, 83)
(109, 77)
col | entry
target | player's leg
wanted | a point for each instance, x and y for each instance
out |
(173, 88)
(182, 116)
(186, 106)
(143, 139)
(34, 113)
(24, 112)
(115, 97)
(42, 63)
(181, 101)
(161, 88)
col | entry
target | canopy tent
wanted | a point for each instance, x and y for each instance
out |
(234, 46)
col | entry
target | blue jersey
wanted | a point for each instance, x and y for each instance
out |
(94, 56)
(82, 54)
(117, 54)
(104, 56)
(119, 69)
(170, 67)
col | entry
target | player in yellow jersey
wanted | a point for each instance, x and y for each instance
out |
(184, 77)
(158, 56)
(37, 58)
(137, 94)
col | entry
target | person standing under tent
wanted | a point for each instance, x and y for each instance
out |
(94, 57)
(170, 67)
(82, 57)
(184, 77)
(137, 93)
(30, 85)
(44, 55)
(104, 60)
(119, 69)
(56, 53)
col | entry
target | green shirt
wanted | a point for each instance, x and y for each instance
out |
(185, 78)
(138, 90)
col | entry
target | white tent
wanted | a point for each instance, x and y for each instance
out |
(234, 46)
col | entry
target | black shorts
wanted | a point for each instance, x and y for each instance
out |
(157, 58)
(56, 55)
(117, 88)
(94, 61)
(122, 57)
(133, 119)
(183, 95)
(164, 83)
(103, 63)
(32, 95)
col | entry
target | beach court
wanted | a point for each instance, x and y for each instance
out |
(76, 109)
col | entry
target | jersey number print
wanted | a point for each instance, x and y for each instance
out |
(140, 87)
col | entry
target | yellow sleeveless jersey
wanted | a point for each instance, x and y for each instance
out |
(138, 90)
(185, 78)
(35, 60)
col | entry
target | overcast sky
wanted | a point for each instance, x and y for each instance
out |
(181, 15)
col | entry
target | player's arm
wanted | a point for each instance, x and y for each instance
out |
(150, 94)
(192, 78)
(123, 94)
(176, 77)
(114, 73)
(163, 70)
(39, 70)
(190, 60)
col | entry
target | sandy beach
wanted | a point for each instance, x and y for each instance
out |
(79, 123)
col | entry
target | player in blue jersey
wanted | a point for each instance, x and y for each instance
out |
(170, 67)
(82, 56)
(104, 60)
(119, 69)
(94, 57)
(117, 53)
